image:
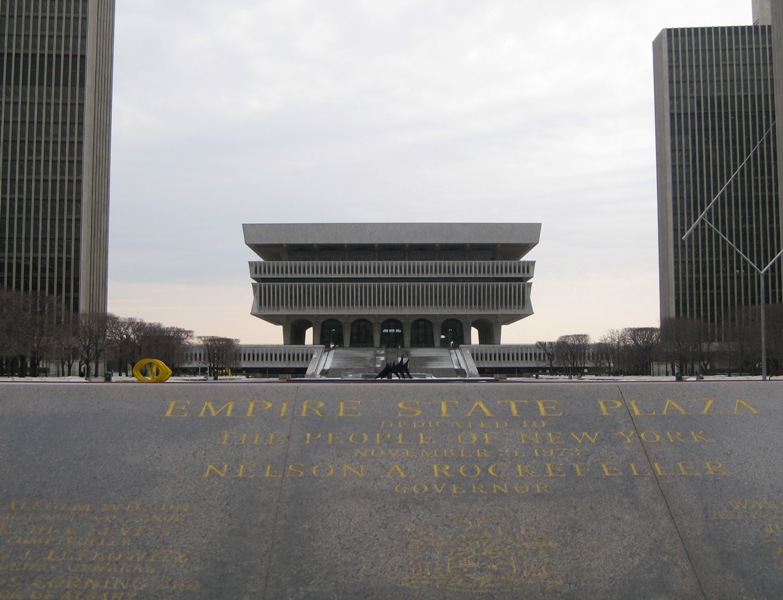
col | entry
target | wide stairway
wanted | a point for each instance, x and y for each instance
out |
(366, 363)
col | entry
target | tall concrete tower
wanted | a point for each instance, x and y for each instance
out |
(762, 12)
(55, 125)
(715, 136)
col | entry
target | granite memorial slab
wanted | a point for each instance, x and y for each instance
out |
(119, 491)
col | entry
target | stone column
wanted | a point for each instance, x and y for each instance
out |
(376, 332)
(346, 334)
(467, 334)
(496, 329)
(287, 333)
(316, 333)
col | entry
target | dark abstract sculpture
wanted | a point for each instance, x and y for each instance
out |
(398, 368)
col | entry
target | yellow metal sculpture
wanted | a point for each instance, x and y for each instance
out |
(157, 371)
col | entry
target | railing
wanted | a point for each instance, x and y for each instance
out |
(266, 355)
(400, 297)
(511, 355)
(299, 357)
(392, 268)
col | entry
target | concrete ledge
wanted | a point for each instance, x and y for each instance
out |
(364, 490)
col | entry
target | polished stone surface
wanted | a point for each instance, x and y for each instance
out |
(399, 490)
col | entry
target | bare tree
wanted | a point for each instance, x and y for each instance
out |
(133, 339)
(641, 345)
(221, 353)
(681, 341)
(746, 338)
(91, 338)
(740, 346)
(774, 336)
(122, 350)
(26, 326)
(609, 349)
(31, 332)
(165, 343)
(549, 351)
(39, 338)
(65, 346)
(602, 356)
(13, 326)
(572, 352)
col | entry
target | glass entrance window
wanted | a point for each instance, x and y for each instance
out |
(391, 334)
(451, 335)
(361, 334)
(331, 333)
(421, 334)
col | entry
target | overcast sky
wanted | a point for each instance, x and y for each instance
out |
(251, 111)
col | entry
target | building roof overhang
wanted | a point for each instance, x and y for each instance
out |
(511, 241)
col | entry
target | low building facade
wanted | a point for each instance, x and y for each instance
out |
(274, 361)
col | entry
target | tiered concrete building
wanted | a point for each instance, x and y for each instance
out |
(55, 125)
(409, 285)
(716, 138)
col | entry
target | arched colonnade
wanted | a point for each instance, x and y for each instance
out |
(392, 332)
